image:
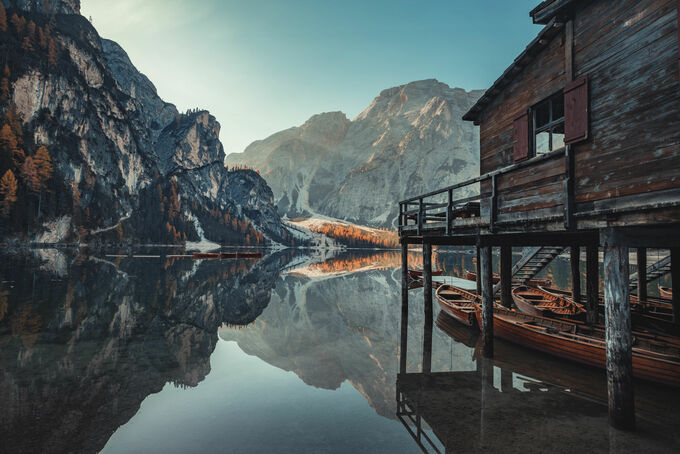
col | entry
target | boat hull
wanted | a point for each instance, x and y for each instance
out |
(653, 369)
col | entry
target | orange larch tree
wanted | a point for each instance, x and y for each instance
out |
(8, 192)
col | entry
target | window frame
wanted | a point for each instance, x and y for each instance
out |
(548, 127)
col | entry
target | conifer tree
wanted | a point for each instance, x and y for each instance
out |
(4, 84)
(8, 192)
(29, 175)
(43, 164)
(3, 18)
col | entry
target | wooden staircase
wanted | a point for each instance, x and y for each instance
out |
(654, 271)
(532, 263)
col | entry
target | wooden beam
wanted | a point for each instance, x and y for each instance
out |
(569, 50)
(675, 284)
(404, 308)
(575, 261)
(427, 291)
(478, 270)
(619, 338)
(487, 301)
(592, 284)
(506, 276)
(665, 236)
(525, 239)
(642, 273)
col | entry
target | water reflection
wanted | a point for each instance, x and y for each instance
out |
(89, 338)
(523, 401)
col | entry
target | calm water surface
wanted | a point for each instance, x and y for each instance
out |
(296, 352)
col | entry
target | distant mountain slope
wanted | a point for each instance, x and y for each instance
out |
(126, 164)
(410, 140)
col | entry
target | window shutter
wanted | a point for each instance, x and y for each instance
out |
(576, 111)
(521, 146)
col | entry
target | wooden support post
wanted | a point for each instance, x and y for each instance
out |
(506, 380)
(675, 284)
(404, 307)
(479, 272)
(427, 291)
(592, 284)
(642, 273)
(486, 279)
(619, 337)
(506, 276)
(575, 261)
(427, 342)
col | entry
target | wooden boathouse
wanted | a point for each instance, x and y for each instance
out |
(579, 148)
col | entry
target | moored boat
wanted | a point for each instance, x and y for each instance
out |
(655, 358)
(458, 303)
(534, 301)
(665, 292)
(472, 276)
(205, 255)
(418, 274)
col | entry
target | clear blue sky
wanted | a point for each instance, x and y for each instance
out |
(265, 65)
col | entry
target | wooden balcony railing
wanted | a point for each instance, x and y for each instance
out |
(439, 208)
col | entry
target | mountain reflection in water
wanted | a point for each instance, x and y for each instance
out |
(295, 352)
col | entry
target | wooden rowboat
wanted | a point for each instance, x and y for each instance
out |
(205, 255)
(655, 358)
(472, 276)
(240, 255)
(666, 292)
(534, 301)
(458, 303)
(653, 314)
(418, 274)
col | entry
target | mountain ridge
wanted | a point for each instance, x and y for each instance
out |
(410, 139)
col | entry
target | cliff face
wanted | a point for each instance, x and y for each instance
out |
(117, 147)
(410, 140)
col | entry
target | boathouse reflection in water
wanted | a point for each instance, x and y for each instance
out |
(521, 401)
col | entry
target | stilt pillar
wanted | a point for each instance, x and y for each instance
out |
(506, 276)
(575, 261)
(642, 273)
(427, 292)
(479, 273)
(675, 284)
(487, 301)
(619, 337)
(592, 284)
(404, 308)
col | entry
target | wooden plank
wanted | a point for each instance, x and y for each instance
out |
(642, 273)
(619, 338)
(675, 286)
(487, 301)
(592, 284)
(574, 261)
(506, 276)
(404, 307)
(427, 293)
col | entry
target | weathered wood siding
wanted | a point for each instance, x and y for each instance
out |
(629, 50)
(540, 186)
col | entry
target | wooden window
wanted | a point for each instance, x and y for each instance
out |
(520, 146)
(548, 125)
(576, 110)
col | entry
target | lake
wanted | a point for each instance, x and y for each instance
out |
(109, 351)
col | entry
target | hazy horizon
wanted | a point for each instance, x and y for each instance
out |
(271, 68)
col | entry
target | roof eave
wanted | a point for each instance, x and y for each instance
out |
(535, 46)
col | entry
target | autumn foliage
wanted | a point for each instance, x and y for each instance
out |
(353, 236)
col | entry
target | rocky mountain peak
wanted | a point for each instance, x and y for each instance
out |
(410, 139)
(45, 6)
(328, 128)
